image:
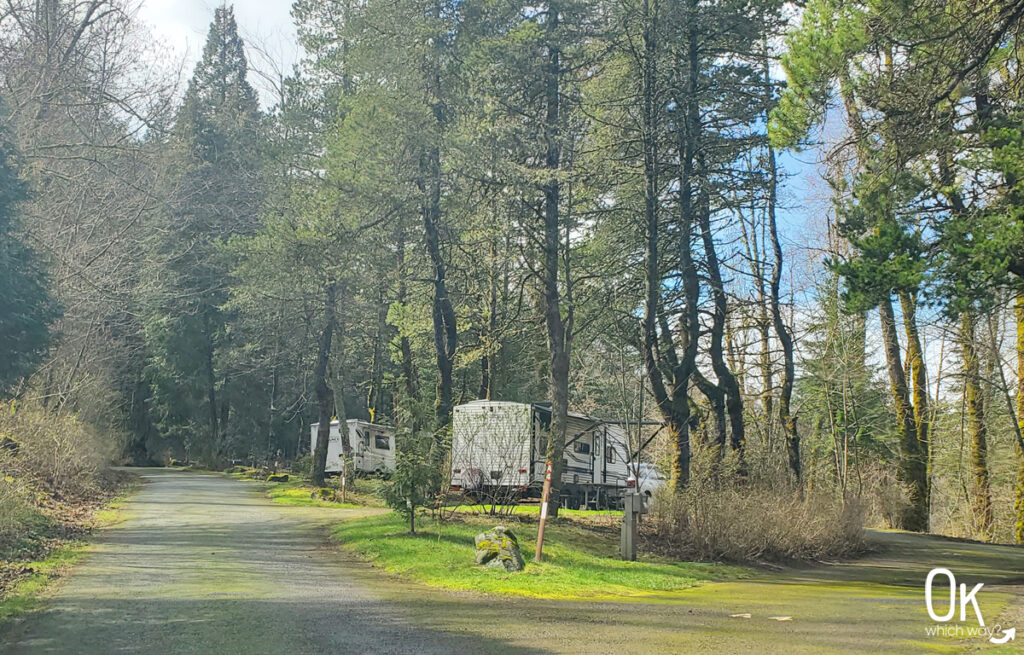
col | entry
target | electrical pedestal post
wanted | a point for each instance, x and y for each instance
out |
(633, 506)
(543, 513)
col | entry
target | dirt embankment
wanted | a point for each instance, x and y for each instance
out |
(50, 522)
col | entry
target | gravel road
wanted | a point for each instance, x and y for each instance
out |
(206, 564)
(203, 564)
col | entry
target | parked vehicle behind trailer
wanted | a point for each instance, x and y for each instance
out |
(648, 479)
(373, 447)
(498, 453)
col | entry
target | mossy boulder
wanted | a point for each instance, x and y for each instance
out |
(277, 477)
(325, 494)
(498, 547)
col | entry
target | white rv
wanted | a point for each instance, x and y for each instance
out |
(373, 446)
(498, 448)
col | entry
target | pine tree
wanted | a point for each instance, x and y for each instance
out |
(875, 202)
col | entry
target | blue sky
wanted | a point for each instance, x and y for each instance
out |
(181, 26)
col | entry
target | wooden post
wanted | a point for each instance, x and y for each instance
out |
(543, 512)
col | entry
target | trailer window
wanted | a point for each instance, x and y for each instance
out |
(609, 454)
(381, 442)
(581, 447)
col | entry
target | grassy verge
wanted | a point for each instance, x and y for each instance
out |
(29, 592)
(31, 581)
(298, 491)
(301, 493)
(578, 562)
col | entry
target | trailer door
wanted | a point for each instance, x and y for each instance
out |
(600, 448)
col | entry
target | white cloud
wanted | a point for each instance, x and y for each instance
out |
(181, 25)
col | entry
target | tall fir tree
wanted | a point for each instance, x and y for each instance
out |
(214, 193)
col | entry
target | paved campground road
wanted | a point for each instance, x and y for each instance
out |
(205, 564)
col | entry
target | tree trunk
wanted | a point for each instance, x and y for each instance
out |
(726, 379)
(412, 386)
(922, 418)
(687, 128)
(443, 313)
(1018, 501)
(375, 392)
(912, 469)
(788, 421)
(489, 341)
(324, 393)
(767, 374)
(559, 329)
(982, 504)
(716, 399)
(211, 391)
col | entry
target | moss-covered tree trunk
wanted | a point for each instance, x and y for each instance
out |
(922, 416)
(982, 501)
(1018, 503)
(912, 469)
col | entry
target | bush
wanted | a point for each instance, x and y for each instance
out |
(885, 498)
(412, 485)
(20, 520)
(750, 524)
(54, 450)
(303, 464)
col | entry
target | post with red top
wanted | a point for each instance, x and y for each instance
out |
(543, 512)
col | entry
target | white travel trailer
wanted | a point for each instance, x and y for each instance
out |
(497, 451)
(373, 446)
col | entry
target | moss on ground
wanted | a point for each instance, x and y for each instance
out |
(298, 491)
(30, 592)
(874, 603)
(37, 578)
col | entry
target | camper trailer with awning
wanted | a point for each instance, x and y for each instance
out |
(498, 451)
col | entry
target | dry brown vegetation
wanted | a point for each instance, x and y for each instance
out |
(748, 524)
(54, 479)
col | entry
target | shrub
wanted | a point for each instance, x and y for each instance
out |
(749, 524)
(20, 520)
(412, 485)
(303, 464)
(55, 451)
(885, 498)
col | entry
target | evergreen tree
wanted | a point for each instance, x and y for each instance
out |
(877, 202)
(26, 307)
(214, 193)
